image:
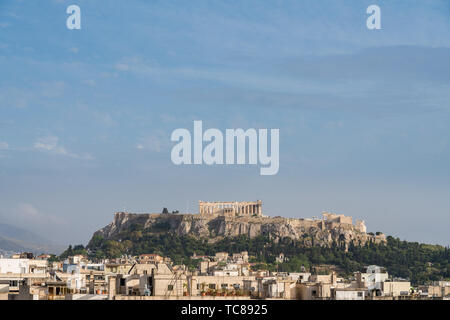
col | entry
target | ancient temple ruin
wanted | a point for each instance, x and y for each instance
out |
(252, 208)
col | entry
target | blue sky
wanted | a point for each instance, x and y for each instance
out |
(86, 115)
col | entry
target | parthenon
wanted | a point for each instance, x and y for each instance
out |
(252, 208)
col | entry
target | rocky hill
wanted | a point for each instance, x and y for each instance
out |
(333, 240)
(311, 232)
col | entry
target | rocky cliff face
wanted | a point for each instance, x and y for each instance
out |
(310, 232)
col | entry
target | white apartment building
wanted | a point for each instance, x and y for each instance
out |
(14, 266)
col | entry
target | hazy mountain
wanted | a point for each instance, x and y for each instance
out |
(10, 231)
(15, 239)
(7, 246)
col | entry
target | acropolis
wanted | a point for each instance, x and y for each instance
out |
(252, 209)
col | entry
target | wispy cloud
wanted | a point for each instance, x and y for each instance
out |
(51, 144)
(31, 214)
(344, 75)
(104, 118)
(36, 94)
(4, 145)
(52, 89)
(155, 142)
(28, 211)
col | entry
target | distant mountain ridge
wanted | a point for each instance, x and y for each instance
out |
(10, 246)
(16, 239)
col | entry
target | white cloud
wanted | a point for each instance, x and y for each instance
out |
(15, 97)
(242, 79)
(52, 89)
(21, 97)
(51, 144)
(28, 211)
(4, 145)
(155, 142)
(90, 82)
(104, 118)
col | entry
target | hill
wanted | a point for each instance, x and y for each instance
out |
(311, 232)
(305, 243)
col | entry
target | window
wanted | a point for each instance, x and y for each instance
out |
(170, 287)
(122, 282)
(360, 294)
(198, 286)
(224, 285)
(212, 286)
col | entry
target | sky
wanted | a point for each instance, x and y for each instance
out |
(86, 115)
